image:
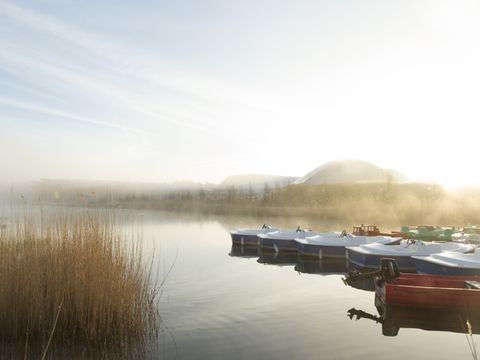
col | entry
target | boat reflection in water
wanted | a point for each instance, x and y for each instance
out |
(244, 251)
(366, 284)
(272, 257)
(311, 265)
(393, 318)
(302, 264)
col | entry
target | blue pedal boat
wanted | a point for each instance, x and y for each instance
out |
(248, 237)
(449, 263)
(369, 255)
(283, 240)
(332, 245)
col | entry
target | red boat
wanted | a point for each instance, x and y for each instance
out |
(394, 288)
(373, 230)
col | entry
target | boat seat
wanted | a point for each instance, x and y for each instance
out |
(432, 248)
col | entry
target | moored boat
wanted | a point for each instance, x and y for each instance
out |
(369, 255)
(283, 240)
(429, 290)
(428, 232)
(418, 290)
(373, 230)
(248, 237)
(332, 245)
(449, 263)
(308, 245)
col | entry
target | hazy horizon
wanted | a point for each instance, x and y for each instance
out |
(198, 91)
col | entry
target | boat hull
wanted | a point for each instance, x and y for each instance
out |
(278, 244)
(427, 291)
(373, 260)
(321, 251)
(431, 268)
(245, 240)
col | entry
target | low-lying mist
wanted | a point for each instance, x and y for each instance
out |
(377, 203)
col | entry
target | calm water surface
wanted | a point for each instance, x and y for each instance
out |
(221, 302)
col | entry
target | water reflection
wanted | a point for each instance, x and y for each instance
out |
(366, 284)
(244, 251)
(302, 264)
(311, 265)
(276, 258)
(393, 318)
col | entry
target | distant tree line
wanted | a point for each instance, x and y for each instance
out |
(385, 202)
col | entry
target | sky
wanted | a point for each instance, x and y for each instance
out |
(162, 91)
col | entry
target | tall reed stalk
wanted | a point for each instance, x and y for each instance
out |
(75, 272)
(471, 341)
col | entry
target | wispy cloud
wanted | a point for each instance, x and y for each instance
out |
(89, 82)
(65, 115)
(130, 84)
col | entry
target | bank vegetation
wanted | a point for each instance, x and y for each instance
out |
(379, 203)
(73, 278)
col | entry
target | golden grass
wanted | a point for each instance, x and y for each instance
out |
(73, 274)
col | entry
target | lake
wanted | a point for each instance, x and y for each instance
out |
(224, 302)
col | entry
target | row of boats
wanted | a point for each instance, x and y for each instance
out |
(442, 295)
(366, 246)
(391, 318)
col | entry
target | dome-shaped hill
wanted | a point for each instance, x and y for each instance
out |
(350, 171)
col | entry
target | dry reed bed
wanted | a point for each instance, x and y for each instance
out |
(74, 273)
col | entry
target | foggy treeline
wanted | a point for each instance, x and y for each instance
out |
(379, 203)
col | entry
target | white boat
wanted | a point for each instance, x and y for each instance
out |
(283, 240)
(249, 236)
(333, 244)
(449, 263)
(369, 255)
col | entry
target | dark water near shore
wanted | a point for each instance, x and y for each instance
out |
(221, 302)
